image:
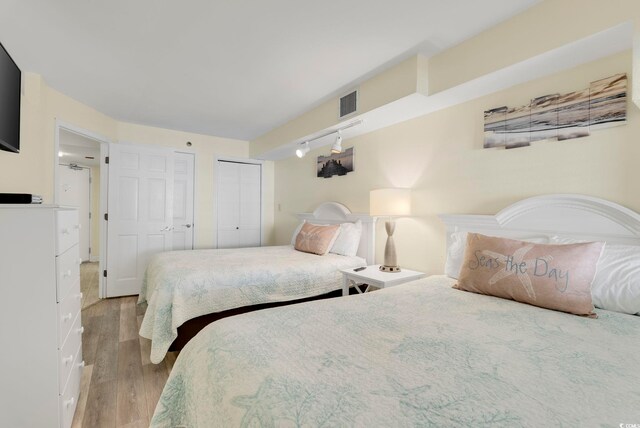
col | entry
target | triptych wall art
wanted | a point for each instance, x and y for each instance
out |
(558, 117)
(336, 164)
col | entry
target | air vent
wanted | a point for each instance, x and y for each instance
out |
(349, 104)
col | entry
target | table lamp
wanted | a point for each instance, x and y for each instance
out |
(390, 203)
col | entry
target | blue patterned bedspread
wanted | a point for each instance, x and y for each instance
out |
(182, 285)
(419, 354)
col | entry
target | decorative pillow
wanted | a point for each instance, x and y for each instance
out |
(316, 239)
(295, 233)
(348, 239)
(549, 276)
(616, 286)
(455, 252)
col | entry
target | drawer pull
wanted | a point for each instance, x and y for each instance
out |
(70, 402)
(67, 317)
(80, 330)
(81, 364)
(67, 360)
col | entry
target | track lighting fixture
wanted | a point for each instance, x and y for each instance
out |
(303, 149)
(337, 146)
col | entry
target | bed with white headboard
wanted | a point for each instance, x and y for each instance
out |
(425, 353)
(187, 290)
(580, 217)
(336, 213)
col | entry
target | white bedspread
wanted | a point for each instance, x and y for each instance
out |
(419, 354)
(182, 285)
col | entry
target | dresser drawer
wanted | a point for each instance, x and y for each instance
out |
(67, 354)
(69, 399)
(67, 230)
(67, 271)
(68, 309)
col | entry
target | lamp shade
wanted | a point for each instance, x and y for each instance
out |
(390, 202)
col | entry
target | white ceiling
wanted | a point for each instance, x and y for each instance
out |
(233, 68)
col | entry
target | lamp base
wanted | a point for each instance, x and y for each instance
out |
(384, 268)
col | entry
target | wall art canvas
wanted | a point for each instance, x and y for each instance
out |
(336, 164)
(558, 116)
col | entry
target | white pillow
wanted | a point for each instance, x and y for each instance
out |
(616, 286)
(455, 252)
(348, 239)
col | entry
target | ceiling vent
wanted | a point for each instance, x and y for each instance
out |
(349, 104)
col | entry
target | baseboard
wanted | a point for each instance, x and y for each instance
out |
(94, 259)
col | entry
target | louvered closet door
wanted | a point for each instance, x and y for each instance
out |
(239, 204)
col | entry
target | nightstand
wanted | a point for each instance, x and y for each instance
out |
(373, 277)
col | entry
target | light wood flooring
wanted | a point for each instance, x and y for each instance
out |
(120, 386)
(89, 284)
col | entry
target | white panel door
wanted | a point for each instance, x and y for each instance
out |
(183, 180)
(239, 204)
(140, 213)
(74, 190)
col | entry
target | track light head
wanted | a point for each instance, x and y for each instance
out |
(337, 146)
(303, 149)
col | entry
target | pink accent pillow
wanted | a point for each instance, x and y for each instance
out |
(316, 239)
(549, 276)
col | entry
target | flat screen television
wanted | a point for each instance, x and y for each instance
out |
(10, 78)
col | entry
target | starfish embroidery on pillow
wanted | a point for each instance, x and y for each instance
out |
(516, 260)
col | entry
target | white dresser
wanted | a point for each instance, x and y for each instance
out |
(40, 322)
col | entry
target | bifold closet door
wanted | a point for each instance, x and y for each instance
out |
(239, 204)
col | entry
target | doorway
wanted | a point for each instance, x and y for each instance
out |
(80, 174)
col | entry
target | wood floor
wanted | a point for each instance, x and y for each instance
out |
(89, 284)
(120, 386)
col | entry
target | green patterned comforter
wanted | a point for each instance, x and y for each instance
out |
(182, 285)
(420, 354)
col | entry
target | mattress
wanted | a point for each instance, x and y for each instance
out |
(182, 285)
(419, 354)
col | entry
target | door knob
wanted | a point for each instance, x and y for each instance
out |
(188, 226)
(237, 228)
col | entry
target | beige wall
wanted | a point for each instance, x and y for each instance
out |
(390, 85)
(32, 170)
(440, 157)
(548, 25)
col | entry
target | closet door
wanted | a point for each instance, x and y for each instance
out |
(239, 204)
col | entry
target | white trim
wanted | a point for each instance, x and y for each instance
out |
(335, 213)
(104, 178)
(217, 186)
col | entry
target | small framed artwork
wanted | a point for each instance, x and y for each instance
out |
(336, 164)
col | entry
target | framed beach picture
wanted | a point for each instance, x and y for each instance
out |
(558, 116)
(336, 164)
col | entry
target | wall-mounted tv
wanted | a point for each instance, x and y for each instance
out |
(10, 78)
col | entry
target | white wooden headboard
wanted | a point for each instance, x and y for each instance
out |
(576, 216)
(335, 213)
